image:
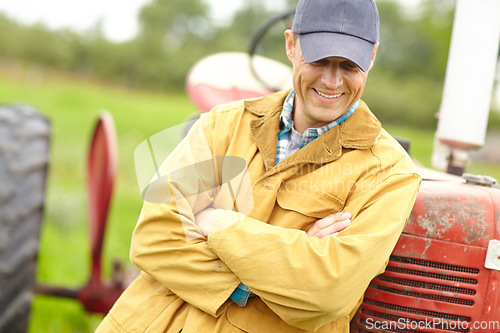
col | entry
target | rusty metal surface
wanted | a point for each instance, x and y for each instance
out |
(455, 212)
(497, 218)
(491, 310)
(496, 200)
(491, 305)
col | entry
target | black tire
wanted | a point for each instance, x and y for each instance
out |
(24, 155)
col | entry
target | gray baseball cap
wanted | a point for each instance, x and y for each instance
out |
(337, 28)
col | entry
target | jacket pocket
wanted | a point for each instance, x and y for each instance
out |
(308, 201)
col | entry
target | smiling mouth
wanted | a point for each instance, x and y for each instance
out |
(328, 96)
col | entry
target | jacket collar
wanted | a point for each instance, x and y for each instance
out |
(360, 131)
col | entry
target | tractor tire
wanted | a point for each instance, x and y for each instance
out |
(24, 155)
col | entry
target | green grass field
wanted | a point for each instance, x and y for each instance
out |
(72, 107)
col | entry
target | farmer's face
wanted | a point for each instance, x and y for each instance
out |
(324, 90)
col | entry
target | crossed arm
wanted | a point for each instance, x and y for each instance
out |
(329, 226)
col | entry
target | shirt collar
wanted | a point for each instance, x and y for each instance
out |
(360, 131)
(286, 118)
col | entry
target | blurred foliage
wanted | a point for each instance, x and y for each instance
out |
(174, 34)
(411, 63)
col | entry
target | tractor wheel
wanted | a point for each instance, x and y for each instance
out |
(24, 155)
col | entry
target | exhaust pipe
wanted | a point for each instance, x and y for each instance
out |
(470, 74)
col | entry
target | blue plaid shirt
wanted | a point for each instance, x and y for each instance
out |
(289, 141)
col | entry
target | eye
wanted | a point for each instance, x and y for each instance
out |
(349, 65)
(321, 62)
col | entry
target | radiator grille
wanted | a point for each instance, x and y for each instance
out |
(426, 285)
(418, 279)
(433, 264)
(448, 299)
(447, 316)
(407, 271)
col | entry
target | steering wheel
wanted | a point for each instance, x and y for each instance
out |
(256, 39)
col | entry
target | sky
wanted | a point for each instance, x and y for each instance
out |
(119, 17)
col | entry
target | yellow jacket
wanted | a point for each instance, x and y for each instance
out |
(301, 284)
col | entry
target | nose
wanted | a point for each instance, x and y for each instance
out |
(332, 75)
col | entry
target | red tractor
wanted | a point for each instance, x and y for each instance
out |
(444, 273)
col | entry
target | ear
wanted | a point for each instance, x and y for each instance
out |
(290, 44)
(374, 55)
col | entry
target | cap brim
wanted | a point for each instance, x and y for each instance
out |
(320, 45)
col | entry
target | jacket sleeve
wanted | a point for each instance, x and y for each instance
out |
(309, 282)
(166, 242)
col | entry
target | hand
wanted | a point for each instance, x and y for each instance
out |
(330, 226)
(205, 219)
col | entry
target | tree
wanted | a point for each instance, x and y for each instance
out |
(173, 35)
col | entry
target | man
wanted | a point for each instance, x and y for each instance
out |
(331, 192)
